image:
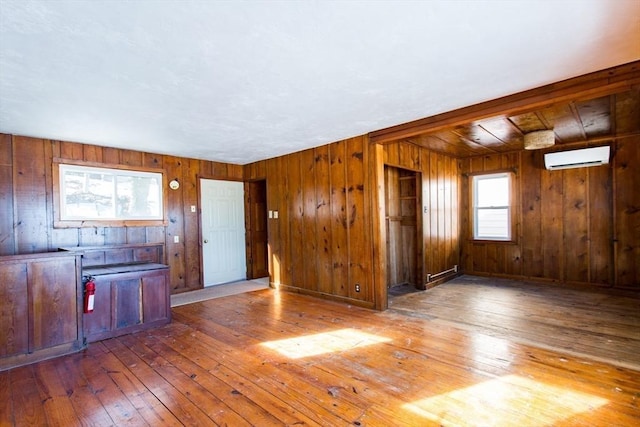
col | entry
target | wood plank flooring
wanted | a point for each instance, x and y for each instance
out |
(272, 358)
(595, 323)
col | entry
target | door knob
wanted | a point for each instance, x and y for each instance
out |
(206, 241)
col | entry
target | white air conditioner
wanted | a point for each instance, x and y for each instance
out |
(577, 158)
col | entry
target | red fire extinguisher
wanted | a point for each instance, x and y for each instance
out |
(89, 294)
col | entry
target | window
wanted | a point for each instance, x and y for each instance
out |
(491, 206)
(97, 194)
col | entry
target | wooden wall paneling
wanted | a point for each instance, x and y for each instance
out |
(192, 237)
(339, 250)
(626, 169)
(465, 222)
(434, 247)
(552, 224)
(235, 172)
(115, 235)
(7, 240)
(392, 154)
(13, 316)
(130, 158)
(284, 219)
(296, 230)
(93, 236)
(531, 216)
(273, 225)
(156, 235)
(448, 206)
(31, 221)
(510, 261)
(378, 225)
(409, 156)
(136, 234)
(150, 160)
(206, 170)
(425, 209)
(175, 227)
(53, 303)
(392, 214)
(309, 227)
(92, 153)
(576, 249)
(441, 259)
(218, 170)
(111, 155)
(454, 213)
(600, 225)
(323, 219)
(71, 150)
(60, 237)
(359, 242)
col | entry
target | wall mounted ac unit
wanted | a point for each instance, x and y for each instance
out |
(577, 158)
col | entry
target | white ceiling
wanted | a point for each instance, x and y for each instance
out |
(242, 81)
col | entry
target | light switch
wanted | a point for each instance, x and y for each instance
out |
(275, 214)
(193, 208)
(270, 214)
(176, 239)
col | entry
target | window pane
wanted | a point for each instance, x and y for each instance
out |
(138, 197)
(492, 223)
(492, 191)
(90, 193)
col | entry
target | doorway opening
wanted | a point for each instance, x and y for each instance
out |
(403, 214)
(256, 224)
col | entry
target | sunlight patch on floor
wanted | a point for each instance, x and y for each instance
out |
(326, 342)
(509, 400)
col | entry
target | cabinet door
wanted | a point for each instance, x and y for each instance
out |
(54, 304)
(127, 303)
(155, 298)
(99, 320)
(14, 335)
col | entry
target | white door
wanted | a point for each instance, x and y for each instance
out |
(223, 241)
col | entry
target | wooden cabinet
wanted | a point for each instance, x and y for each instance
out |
(128, 298)
(132, 288)
(40, 300)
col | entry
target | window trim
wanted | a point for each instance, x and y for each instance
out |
(79, 223)
(511, 207)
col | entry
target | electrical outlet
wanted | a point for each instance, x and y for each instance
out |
(357, 287)
(270, 214)
(176, 239)
(275, 214)
(193, 208)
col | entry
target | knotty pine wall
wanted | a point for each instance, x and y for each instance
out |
(577, 226)
(440, 195)
(26, 207)
(321, 241)
(324, 240)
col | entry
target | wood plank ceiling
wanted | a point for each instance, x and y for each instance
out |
(589, 120)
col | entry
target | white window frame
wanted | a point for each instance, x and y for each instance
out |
(475, 180)
(65, 219)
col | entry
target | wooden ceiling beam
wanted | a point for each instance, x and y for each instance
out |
(600, 83)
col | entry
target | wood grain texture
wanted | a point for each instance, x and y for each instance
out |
(27, 225)
(224, 362)
(319, 241)
(441, 197)
(567, 218)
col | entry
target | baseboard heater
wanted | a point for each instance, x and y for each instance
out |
(431, 277)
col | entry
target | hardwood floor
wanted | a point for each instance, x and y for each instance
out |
(272, 358)
(595, 323)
